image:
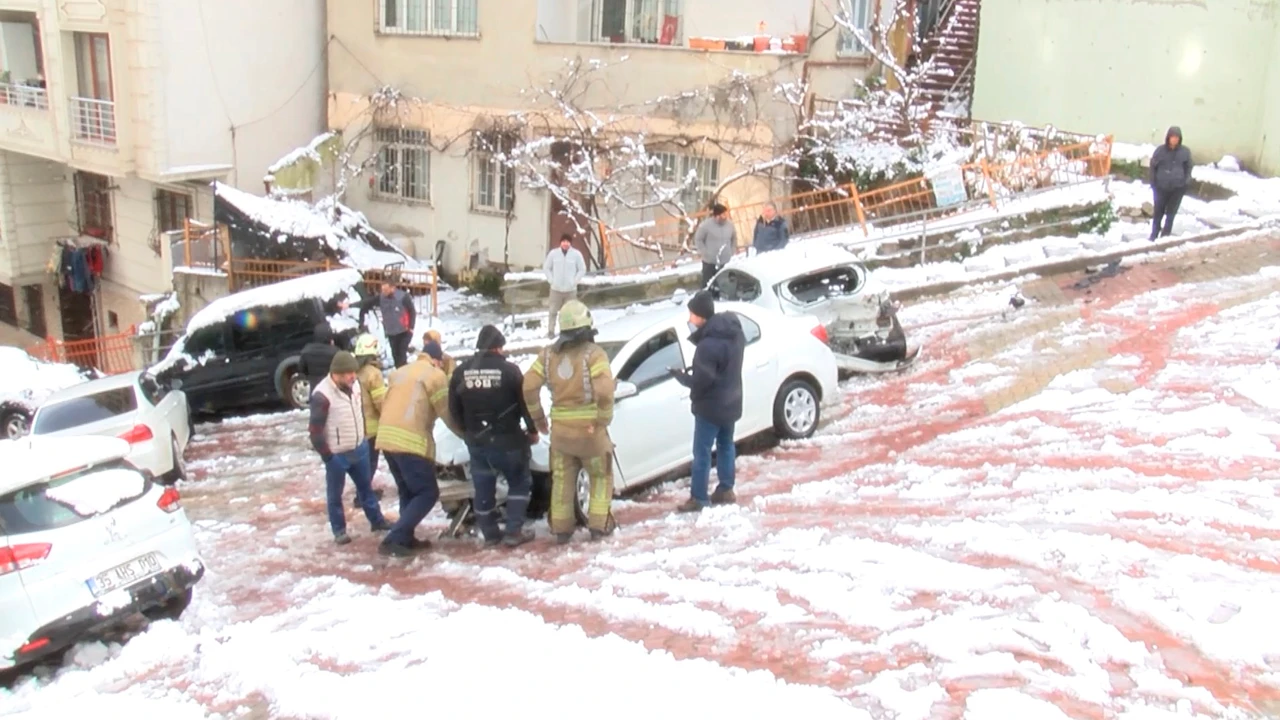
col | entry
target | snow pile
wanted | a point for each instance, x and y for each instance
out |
(344, 651)
(98, 492)
(310, 151)
(26, 381)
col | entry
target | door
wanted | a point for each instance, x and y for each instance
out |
(253, 357)
(209, 383)
(563, 220)
(759, 380)
(33, 300)
(653, 430)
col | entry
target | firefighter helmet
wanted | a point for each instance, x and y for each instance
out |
(366, 345)
(575, 315)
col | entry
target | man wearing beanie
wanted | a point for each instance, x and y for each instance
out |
(337, 434)
(447, 363)
(416, 397)
(715, 393)
(486, 397)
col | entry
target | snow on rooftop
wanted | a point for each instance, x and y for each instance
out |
(310, 151)
(339, 231)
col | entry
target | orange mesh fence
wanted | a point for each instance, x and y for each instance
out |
(250, 272)
(660, 242)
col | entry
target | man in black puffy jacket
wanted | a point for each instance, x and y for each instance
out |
(486, 397)
(1170, 174)
(317, 355)
(715, 392)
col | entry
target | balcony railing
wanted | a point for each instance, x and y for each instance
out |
(24, 96)
(93, 121)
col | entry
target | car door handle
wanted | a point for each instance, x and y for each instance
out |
(762, 364)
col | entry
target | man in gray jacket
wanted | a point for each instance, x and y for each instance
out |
(1170, 173)
(398, 318)
(565, 268)
(715, 240)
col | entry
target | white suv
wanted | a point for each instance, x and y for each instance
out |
(86, 539)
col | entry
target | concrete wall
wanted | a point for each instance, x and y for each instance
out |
(33, 207)
(245, 63)
(1132, 69)
(1269, 132)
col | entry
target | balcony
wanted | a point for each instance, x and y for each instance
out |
(93, 122)
(24, 96)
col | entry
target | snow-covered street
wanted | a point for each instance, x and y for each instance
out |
(1067, 510)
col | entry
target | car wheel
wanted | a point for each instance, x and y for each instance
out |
(179, 471)
(298, 391)
(172, 608)
(15, 424)
(582, 497)
(796, 410)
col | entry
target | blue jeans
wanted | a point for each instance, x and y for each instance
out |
(706, 434)
(415, 478)
(356, 465)
(486, 463)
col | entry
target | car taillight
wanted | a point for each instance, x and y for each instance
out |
(20, 557)
(136, 434)
(169, 500)
(820, 332)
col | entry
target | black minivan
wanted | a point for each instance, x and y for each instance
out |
(250, 357)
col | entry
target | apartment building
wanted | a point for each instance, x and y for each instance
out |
(115, 117)
(464, 65)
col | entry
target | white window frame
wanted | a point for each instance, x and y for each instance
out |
(860, 11)
(674, 167)
(403, 154)
(493, 184)
(642, 22)
(451, 18)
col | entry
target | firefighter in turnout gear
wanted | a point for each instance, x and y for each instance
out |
(373, 388)
(417, 395)
(577, 372)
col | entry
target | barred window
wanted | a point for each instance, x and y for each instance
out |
(859, 13)
(495, 182)
(672, 169)
(404, 163)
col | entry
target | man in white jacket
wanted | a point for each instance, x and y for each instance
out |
(565, 268)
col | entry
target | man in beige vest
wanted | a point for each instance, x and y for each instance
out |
(338, 434)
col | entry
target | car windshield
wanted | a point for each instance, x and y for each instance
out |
(84, 410)
(70, 498)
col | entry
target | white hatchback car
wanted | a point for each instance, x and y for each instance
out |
(86, 539)
(131, 406)
(830, 283)
(788, 374)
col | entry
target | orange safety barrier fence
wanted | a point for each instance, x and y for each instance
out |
(111, 354)
(641, 247)
(244, 273)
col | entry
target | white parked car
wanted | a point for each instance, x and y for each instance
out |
(822, 280)
(27, 382)
(788, 374)
(86, 540)
(131, 406)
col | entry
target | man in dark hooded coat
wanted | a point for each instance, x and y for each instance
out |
(1170, 174)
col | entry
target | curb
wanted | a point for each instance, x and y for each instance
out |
(1077, 264)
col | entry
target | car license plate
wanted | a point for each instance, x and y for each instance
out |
(139, 568)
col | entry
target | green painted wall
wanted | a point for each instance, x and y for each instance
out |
(1133, 67)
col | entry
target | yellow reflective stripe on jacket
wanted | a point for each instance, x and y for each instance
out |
(400, 440)
(371, 428)
(600, 368)
(378, 393)
(435, 396)
(536, 367)
(582, 412)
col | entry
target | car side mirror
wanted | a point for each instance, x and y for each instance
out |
(625, 390)
(175, 384)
